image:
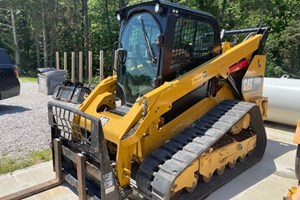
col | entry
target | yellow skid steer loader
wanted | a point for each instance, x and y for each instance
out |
(182, 117)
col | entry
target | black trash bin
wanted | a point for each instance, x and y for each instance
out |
(49, 78)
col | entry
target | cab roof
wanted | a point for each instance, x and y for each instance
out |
(165, 4)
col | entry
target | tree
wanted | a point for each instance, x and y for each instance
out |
(15, 35)
(289, 41)
(105, 28)
(34, 29)
(9, 6)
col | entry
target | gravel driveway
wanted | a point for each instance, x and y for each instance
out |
(24, 122)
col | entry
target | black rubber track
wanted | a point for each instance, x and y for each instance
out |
(297, 163)
(160, 169)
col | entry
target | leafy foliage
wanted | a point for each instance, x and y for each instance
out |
(62, 23)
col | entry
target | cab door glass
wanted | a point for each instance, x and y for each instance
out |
(137, 75)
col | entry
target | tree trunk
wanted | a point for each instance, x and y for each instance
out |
(45, 38)
(108, 24)
(76, 45)
(15, 36)
(86, 37)
(38, 52)
(53, 32)
(51, 54)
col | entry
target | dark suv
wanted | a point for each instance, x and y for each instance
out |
(9, 83)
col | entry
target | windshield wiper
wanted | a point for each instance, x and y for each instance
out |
(149, 46)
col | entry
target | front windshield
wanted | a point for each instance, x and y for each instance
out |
(140, 69)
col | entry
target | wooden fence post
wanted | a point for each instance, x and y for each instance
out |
(73, 68)
(90, 67)
(65, 61)
(80, 66)
(57, 59)
(101, 63)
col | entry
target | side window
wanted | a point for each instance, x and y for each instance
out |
(4, 58)
(193, 40)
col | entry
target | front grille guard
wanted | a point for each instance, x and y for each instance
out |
(83, 133)
(79, 131)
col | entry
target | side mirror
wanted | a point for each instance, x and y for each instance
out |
(122, 55)
(159, 41)
(157, 82)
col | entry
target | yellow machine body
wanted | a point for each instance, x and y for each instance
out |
(297, 134)
(142, 130)
(294, 191)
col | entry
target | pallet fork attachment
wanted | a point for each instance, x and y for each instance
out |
(62, 127)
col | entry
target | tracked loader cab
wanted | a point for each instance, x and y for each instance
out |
(160, 41)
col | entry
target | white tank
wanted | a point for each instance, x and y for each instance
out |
(284, 100)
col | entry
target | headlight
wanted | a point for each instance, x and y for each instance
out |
(157, 8)
(118, 17)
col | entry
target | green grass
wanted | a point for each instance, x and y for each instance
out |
(26, 79)
(8, 164)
